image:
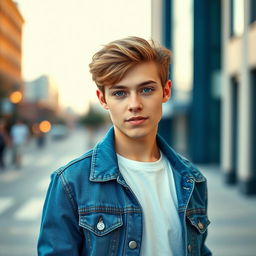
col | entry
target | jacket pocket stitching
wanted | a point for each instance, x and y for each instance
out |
(200, 211)
(89, 210)
(195, 220)
(91, 227)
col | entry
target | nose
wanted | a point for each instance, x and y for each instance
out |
(135, 103)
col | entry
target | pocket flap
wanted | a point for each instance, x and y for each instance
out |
(201, 222)
(100, 223)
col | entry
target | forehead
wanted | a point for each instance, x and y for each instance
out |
(139, 74)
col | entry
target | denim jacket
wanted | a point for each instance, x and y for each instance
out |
(90, 209)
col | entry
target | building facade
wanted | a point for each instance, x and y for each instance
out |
(41, 99)
(11, 23)
(43, 90)
(239, 92)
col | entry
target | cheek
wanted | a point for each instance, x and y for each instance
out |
(157, 111)
(156, 106)
(114, 113)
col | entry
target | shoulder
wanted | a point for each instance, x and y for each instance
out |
(68, 182)
(179, 163)
(190, 168)
(76, 169)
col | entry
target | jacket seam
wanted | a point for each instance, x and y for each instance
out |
(109, 210)
(68, 192)
(196, 211)
(93, 161)
(63, 168)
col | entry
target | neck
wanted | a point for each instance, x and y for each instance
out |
(139, 149)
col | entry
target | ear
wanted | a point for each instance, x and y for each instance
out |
(102, 100)
(167, 91)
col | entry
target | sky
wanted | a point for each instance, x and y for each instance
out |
(60, 37)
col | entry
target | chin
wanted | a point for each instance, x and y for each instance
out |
(138, 133)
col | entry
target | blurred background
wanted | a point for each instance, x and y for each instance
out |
(49, 112)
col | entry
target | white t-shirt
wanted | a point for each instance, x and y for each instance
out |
(153, 185)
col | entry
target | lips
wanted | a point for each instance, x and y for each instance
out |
(137, 120)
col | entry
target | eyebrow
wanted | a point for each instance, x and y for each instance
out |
(119, 86)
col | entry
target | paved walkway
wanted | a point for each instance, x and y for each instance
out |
(232, 231)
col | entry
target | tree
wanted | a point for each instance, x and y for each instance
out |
(93, 119)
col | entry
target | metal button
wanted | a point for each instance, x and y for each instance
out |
(132, 245)
(200, 225)
(100, 225)
(189, 248)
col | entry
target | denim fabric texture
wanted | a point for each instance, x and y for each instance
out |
(90, 210)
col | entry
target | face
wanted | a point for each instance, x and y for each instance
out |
(135, 103)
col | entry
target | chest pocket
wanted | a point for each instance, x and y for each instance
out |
(200, 222)
(100, 223)
(102, 231)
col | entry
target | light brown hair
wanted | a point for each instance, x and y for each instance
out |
(114, 60)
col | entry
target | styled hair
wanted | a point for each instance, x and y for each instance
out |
(114, 60)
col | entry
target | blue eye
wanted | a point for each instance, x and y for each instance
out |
(147, 90)
(119, 93)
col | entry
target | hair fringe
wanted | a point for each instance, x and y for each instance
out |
(110, 64)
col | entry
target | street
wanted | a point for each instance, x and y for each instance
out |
(232, 231)
(22, 192)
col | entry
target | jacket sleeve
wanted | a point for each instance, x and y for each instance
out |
(60, 234)
(205, 250)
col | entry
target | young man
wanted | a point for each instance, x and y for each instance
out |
(132, 194)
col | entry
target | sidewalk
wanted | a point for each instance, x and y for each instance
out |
(232, 231)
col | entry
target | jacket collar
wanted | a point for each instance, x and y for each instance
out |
(180, 164)
(104, 166)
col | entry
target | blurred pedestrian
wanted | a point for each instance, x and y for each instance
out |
(132, 194)
(40, 140)
(39, 135)
(4, 142)
(19, 137)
